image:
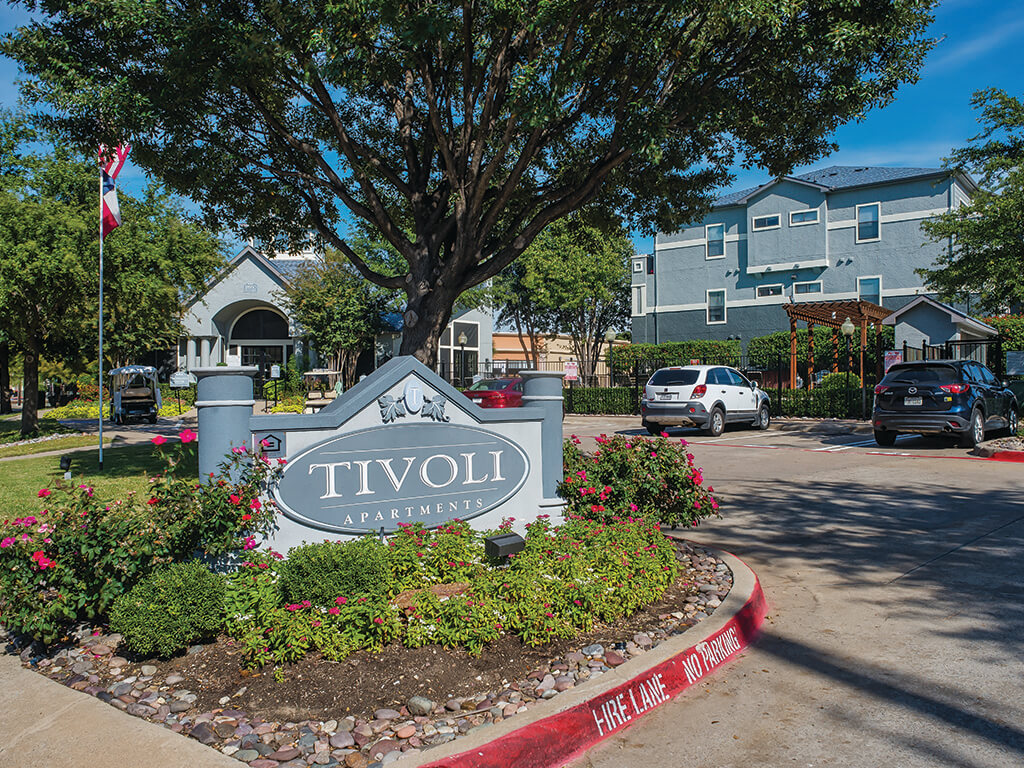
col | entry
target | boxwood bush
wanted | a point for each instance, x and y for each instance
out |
(170, 609)
(322, 571)
(600, 400)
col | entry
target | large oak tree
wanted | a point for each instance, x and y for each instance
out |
(459, 129)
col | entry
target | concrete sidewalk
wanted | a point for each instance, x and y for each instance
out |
(45, 725)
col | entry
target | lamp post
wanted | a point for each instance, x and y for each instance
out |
(609, 336)
(462, 357)
(848, 328)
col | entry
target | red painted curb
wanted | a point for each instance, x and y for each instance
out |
(1017, 456)
(562, 736)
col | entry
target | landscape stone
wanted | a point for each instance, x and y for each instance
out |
(381, 748)
(342, 739)
(593, 650)
(406, 732)
(203, 732)
(246, 755)
(140, 710)
(148, 669)
(387, 714)
(420, 705)
(172, 679)
(284, 754)
(547, 683)
(356, 760)
(612, 659)
(263, 763)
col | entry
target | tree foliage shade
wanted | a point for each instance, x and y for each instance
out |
(460, 130)
(49, 254)
(986, 252)
(573, 279)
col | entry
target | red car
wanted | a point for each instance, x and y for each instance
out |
(496, 393)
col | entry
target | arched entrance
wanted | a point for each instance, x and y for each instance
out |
(260, 337)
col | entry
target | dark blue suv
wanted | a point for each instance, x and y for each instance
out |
(954, 397)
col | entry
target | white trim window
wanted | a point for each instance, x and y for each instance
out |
(639, 303)
(714, 235)
(803, 218)
(869, 288)
(869, 226)
(802, 289)
(716, 306)
(638, 266)
(767, 291)
(768, 221)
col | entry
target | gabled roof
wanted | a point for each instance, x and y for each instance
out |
(838, 177)
(959, 318)
(283, 269)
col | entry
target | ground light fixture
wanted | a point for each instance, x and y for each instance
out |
(502, 545)
(65, 466)
(609, 336)
(848, 328)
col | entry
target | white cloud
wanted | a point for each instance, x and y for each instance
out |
(973, 48)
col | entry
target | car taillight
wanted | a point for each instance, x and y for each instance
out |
(956, 389)
(880, 388)
(699, 391)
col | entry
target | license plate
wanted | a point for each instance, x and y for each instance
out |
(912, 401)
(664, 395)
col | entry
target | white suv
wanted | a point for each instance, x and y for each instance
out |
(706, 396)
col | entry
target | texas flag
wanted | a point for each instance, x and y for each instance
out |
(111, 165)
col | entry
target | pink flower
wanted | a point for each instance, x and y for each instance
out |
(265, 443)
(6, 542)
(282, 461)
(250, 543)
(188, 436)
(237, 451)
(158, 440)
(378, 620)
(334, 611)
(255, 504)
(633, 507)
(152, 501)
(44, 492)
(234, 499)
(246, 518)
(316, 623)
(664, 434)
(341, 600)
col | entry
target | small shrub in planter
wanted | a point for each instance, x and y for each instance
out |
(170, 609)
(635, 476)
(320, 572)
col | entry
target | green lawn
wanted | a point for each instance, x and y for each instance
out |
(59, 444)
(10, 428)
(125, 469)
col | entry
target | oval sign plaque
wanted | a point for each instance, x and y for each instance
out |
(362, 481)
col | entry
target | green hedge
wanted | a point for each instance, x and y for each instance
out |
(600, 400)
(767, 351)
(675, 353)
(821, 403)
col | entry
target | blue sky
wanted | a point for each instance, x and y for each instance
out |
(979, 48)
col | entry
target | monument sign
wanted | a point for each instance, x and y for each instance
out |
(404, 446)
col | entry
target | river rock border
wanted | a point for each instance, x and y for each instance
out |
(91, 665)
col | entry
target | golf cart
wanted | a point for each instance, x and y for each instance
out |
(135, 393)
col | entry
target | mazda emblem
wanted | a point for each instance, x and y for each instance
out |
(912, 390)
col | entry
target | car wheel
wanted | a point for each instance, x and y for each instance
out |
(1012, 422)
(716, 423)
(885, 437)
(764, 418)
(652, 429)
(975, 432)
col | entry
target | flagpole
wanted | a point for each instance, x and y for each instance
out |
(101, 316)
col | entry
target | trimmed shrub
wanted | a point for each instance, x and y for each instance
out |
(837, 382)
(635, 477)
(600, 400)
(675, 353)
(323, 571)
(170, 609)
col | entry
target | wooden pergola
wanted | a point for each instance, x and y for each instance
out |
(831, 314)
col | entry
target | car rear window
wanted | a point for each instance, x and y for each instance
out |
(674, 378)
(490, 385)
(922, 374)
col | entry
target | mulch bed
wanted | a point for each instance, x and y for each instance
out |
(370, 707)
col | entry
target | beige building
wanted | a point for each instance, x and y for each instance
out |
(555, 352)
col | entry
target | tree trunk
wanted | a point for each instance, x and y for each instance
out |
(30, 389)
(426, 316)
(5, 377)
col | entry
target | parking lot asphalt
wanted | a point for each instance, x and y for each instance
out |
(896, 614)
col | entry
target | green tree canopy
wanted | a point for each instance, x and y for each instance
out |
(573, 279)
(460, 130)
(983, 265)
(49, 254)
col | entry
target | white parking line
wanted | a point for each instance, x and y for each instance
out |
(847, 446)
(765, 433)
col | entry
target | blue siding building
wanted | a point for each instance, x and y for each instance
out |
(836, 233)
